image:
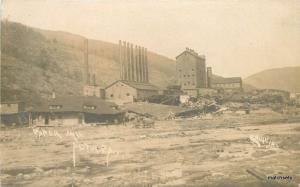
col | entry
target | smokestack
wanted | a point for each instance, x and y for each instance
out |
(94, 79)
(146, 65)
(128, 62)
(53, 95)
(137, 73)
(209, 77)
(125, 61)
(86, 61)
(143, 65)
(132, 63)
(120, 60)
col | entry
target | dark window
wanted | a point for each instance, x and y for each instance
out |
(128, 94)
(112, 95)
(8, 105)
(192, 69)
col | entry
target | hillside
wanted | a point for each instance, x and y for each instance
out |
(36, 62)
(287, 78)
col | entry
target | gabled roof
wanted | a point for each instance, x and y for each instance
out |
(77, 103)
(227, 80)
(191, 53)
(136, 85)
(12, 102)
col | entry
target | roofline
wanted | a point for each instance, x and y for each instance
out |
(197, 56)
(126, 82)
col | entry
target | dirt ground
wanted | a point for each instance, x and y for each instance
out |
(200, 152)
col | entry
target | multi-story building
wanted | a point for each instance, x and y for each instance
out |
(191, 72)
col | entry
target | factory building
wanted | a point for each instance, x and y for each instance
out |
(191, 72)
(134, 76)
(228, 83)
(123, 91)
(195, 79)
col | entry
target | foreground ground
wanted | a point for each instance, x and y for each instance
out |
(201, 152)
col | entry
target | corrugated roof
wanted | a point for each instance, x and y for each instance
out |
(77, 103)
(227, 80)
(137, 85)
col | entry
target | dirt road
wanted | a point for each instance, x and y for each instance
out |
(214, 152)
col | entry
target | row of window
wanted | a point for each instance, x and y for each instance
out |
(55, 107)
(180, 70)
(188, 83)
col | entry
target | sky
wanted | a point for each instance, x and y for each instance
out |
(238, 37)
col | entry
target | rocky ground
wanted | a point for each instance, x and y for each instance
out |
(222, 151)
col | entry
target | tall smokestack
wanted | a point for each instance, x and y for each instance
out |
(125, 61)
(94, 80)
(140, 64)
(128, 62)
(137, 70)
(86, 61)
(120, 59)
(143, 64)
(146, 66)
(132, 63)
(209, 77)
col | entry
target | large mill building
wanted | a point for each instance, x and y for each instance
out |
(193, 76)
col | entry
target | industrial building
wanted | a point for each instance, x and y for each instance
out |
(193, 77)
(191, 72)
(134, 83)
(123, 91)
(228, 83)
(13, 112)
(76, 110)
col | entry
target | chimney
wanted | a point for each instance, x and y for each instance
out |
(86, 61)
(209, 77)
(53, 95)
(94, 80)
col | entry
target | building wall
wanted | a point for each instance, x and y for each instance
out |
(190, 71)
(228, 85)
(146, 93)
(59, 119)
(120, 91)
(9, 108)
(91, 91)
(191, 92)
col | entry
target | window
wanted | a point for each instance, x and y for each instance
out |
(8, 105)
(183, 75)
(128, 94)
(111, 95)
(55, 107)
(90, 107)
(192, 69)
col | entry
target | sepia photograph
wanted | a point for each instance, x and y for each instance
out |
(150, 93)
